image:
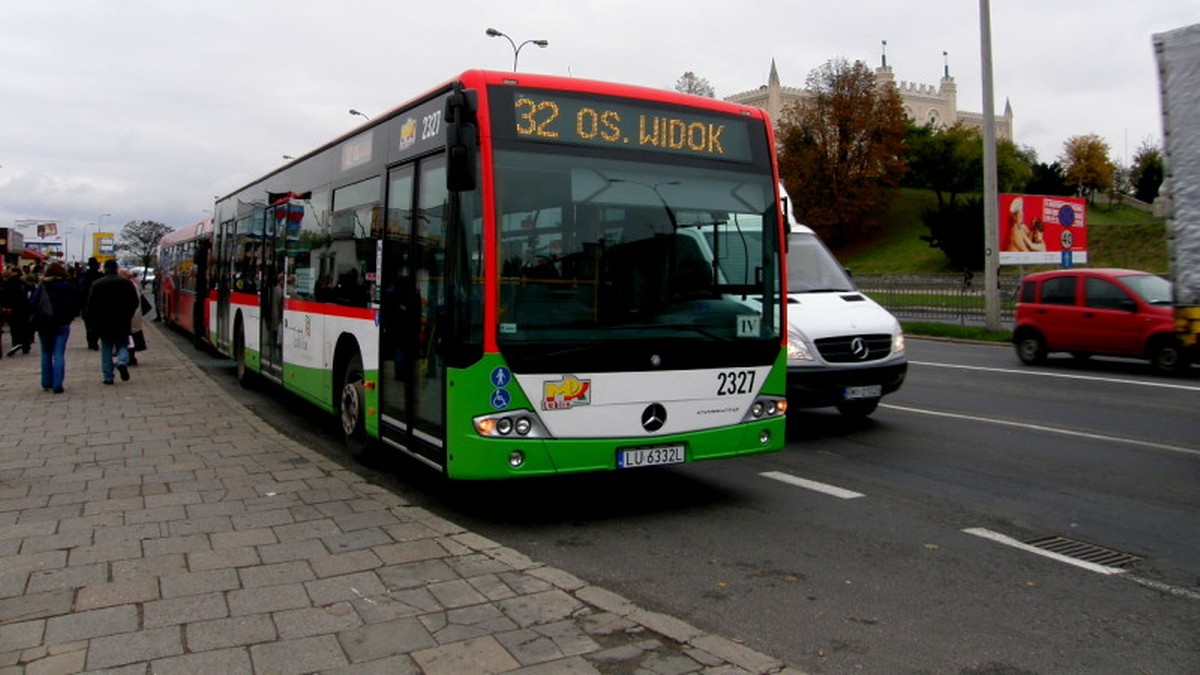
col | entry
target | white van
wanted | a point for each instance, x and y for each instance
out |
(844, 350)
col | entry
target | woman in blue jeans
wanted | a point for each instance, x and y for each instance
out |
(54, 328)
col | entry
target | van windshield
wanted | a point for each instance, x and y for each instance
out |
(811, 268)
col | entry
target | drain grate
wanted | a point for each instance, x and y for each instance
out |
(1081, 550)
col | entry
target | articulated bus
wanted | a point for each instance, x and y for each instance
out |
(513, 275)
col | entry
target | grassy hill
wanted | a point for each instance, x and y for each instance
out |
(1118, 236)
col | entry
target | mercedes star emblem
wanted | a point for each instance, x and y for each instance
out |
(654, 417)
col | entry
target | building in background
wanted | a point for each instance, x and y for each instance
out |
(924, 103)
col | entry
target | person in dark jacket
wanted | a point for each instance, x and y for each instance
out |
(14, 304)
(54, 329)
(89, 277)
(110, 307)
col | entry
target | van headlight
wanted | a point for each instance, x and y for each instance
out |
(797, 347)
(898, 343)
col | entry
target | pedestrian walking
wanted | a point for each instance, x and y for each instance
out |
(53, 306)
(89, 277)
(110, 307)
(14, 308)
(137, 342)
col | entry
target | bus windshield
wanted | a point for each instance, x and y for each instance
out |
(598, 249)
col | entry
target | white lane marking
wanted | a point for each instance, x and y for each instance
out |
(1065, 376)
(840, 493)
(1041, 427)
(1177, 591)
(1009, 541)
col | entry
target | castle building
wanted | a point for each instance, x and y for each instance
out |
(924, 103)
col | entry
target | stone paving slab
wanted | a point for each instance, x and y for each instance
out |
(178, 533)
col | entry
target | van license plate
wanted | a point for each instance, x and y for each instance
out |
(857, 393)
(660, 454)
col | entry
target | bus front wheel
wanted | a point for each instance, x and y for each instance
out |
(351, 407)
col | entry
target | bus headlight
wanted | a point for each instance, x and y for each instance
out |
(524, 426)
(521, 423)
(766, 407)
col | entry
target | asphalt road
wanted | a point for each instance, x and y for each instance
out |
(897, 545)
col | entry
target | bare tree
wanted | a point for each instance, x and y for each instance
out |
(140, 238)
(690, 83)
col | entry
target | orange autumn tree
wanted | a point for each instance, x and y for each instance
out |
(1089, 170)
(840, 150)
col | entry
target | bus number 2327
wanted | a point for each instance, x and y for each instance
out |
(735, 382)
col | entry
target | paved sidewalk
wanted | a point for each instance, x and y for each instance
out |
(157, 526)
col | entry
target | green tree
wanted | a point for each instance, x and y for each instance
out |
(1088, 168)
(1146, 173)
(1048, 179)
(1014, 166)
(140, 238)
(949, 161)
(841, 148)
(690, 83)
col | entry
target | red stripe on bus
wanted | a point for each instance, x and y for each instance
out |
(329, 310)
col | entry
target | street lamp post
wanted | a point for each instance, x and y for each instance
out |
(492, 32)
(362, 115)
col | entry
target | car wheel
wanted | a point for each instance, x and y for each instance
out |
(351, 408)
(858, 409)
(1031, 349)
(1167, 357)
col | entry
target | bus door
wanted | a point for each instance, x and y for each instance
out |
(413, 377)
(274, 269)
(200, 327)
(224, 253)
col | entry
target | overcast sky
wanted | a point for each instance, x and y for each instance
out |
(146, 109)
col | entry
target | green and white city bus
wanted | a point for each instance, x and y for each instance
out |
(517, 275)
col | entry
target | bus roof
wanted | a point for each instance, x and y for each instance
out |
(480, 78)
(188, 232)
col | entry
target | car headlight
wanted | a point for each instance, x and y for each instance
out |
(798, 349)
(898, 343)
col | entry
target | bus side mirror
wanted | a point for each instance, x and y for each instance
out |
(462, 139)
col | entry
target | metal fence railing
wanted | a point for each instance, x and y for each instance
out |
(942, 298)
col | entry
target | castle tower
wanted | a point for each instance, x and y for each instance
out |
(948, 91)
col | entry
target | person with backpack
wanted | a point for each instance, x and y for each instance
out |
(52, 307)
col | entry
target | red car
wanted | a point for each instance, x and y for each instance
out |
(1110, 312)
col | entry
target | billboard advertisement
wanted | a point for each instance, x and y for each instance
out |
(103, 247)
(1038, 230)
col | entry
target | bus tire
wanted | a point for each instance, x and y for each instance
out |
(352, 404)
(244, 375)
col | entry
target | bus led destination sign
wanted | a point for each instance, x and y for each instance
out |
(554, 117)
